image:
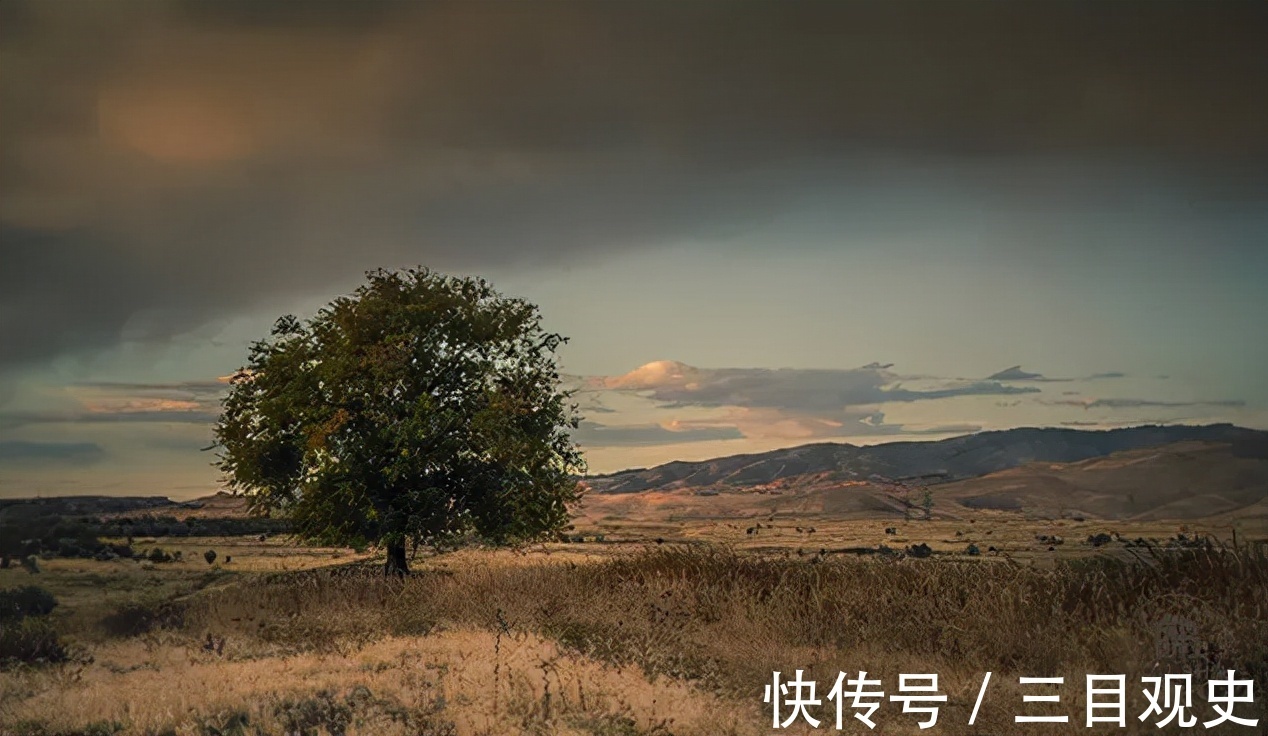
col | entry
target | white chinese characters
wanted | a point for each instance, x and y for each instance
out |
(1168, 700)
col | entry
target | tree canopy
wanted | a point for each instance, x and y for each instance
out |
(421, 406)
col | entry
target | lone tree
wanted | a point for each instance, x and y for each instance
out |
(420, 407)
(926, 503)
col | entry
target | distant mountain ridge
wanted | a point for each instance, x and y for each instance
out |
(88, 505)
(955, 459)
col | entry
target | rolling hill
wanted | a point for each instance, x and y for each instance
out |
(958, 458)
(1141, 473)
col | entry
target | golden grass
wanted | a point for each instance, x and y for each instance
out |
(1011, 534)
(460, 681)
(604, 639)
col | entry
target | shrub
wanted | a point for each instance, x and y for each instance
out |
(28, 600)
(29, 641)
(231, 722)
(134, 619)
(920, 550)
(209, 556)
(96, 728)
(322, 711)
(69, 548)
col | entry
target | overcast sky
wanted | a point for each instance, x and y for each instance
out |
(760, 223)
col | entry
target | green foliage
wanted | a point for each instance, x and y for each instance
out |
(44, 528)
(150, 525)
(29, 641)
(27, 600)
(421, 407)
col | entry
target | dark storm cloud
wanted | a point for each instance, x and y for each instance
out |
(18, 452)
(165, 163)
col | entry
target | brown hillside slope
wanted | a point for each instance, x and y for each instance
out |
(1187, 480)
(1181, 481)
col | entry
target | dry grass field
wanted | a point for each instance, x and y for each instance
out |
(994, 534)
(624, 635)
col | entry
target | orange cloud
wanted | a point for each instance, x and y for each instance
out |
(657, 374)
(133, 406)
(174, 125)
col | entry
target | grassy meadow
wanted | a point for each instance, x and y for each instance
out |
(649, 631)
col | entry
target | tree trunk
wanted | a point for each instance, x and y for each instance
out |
(396, 564)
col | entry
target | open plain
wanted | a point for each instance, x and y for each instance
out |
(649, 625)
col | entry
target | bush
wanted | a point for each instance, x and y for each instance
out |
(28, 600)
(209, 556)
(96, 728)
(320, 712)
(29, 641)
(134, 619)
(67, 547)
